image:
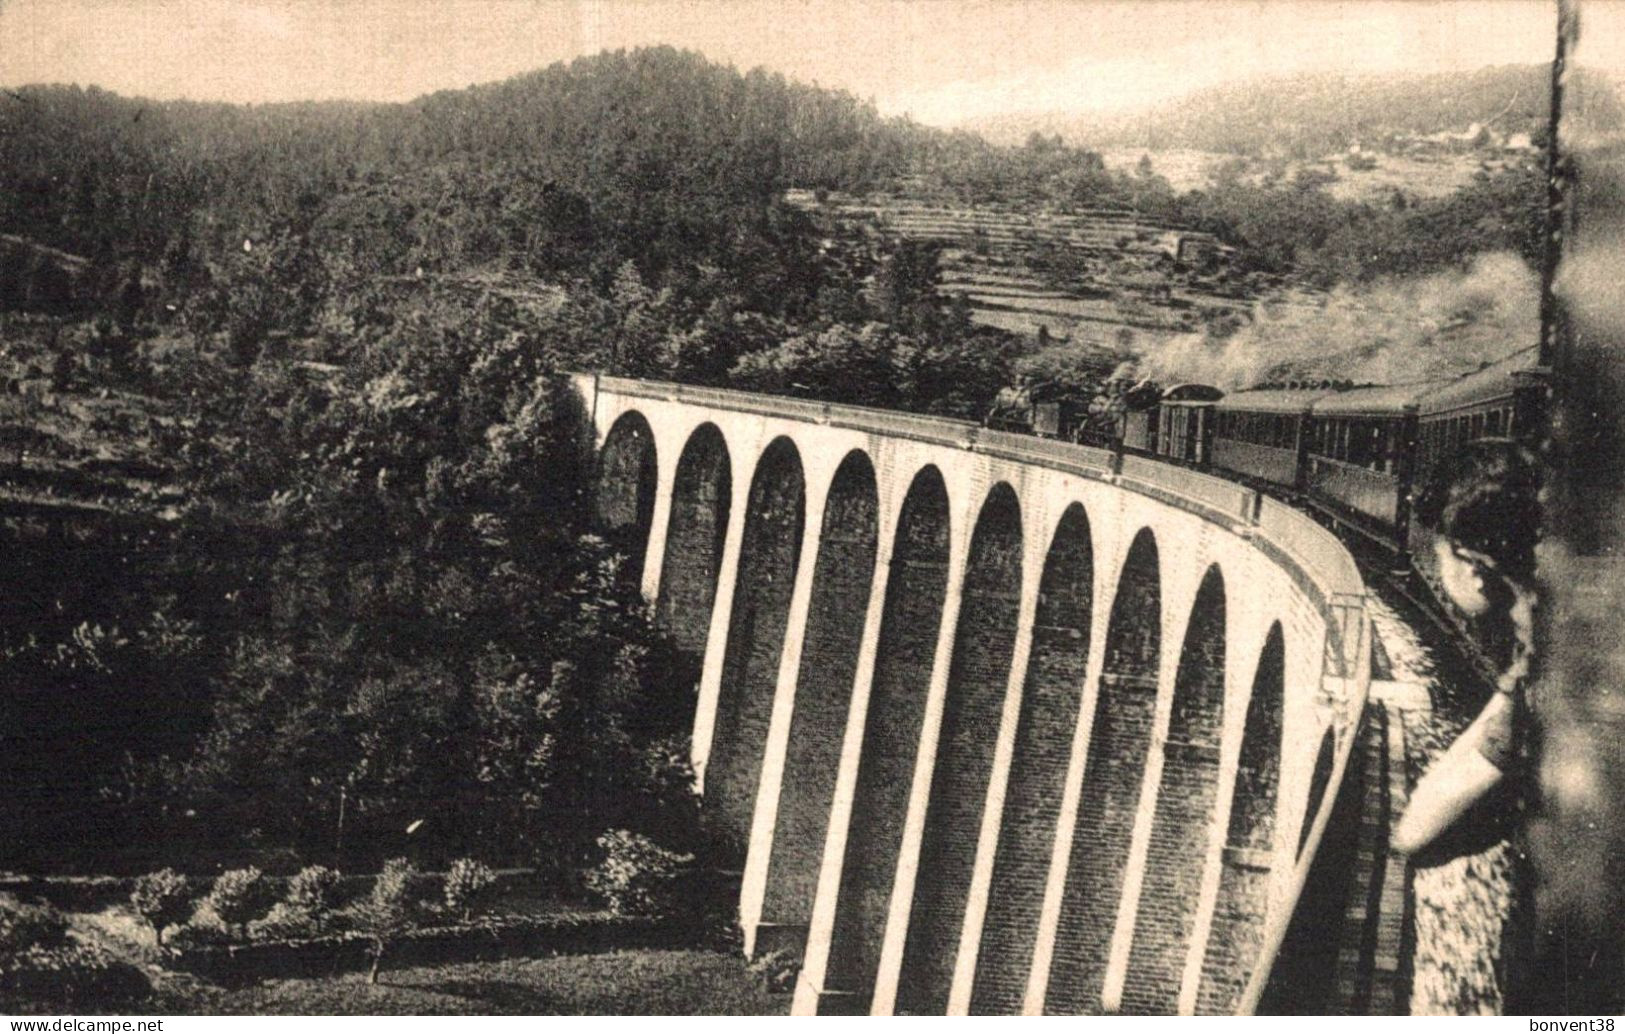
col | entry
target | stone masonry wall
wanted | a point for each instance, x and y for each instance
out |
(907, 648)
(1112, 775)
(1049, 713)
(1238, 915)
(701, 496)
(761, 607)
(1319, 780)
(1184, 810)
(1332, 925)
(835, 618)
(978, 676)
(625, 496)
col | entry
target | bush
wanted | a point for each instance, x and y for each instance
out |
(287, 921)
(304, 911)
(312, 889)
(636, 874)
(468, 887)
(24, 926)
(777, 970)
(203, 930)
(75, 976)
(238, 896)
(388, 911)
(162, 898)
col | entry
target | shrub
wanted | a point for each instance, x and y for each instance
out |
(203, 930)
(76, 976)
(162, 898)
(387, 912)
(304, 911)
(287, 921)
(636, 874)
(777, 970)
(24, 926)
(312, 888)
(468, 887)
(239, 895)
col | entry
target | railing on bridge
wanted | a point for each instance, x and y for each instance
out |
(1315, 548)
(1045, 452)
(1236, 502)
(960, 434)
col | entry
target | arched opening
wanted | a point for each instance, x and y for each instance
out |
(1032, 803)
(1180, 825)
(628, 478)
(1305, 978)
(984, 640)
(1319, 779)
(1119, 740)
(769, 552)
(1239, 912)
(702, 494)
(836, 612)
(891, 733)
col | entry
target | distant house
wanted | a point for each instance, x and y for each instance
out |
(1192, 247)
(1473, 136)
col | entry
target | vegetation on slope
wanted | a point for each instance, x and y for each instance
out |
(337, 326)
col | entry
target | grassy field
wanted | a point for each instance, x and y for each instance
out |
(618, 983)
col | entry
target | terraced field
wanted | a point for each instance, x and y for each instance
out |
(1103, 277)
(80, 444)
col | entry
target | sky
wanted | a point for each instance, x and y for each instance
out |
(941, 61)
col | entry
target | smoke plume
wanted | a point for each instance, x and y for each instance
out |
(1392, 332)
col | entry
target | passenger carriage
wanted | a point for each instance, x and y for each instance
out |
(1361, 452)
(1502, 400)
(1260, 433)
(1185, 422)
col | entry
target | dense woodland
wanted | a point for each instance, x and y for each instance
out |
(378, 599)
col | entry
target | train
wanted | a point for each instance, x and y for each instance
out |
(1357, 455)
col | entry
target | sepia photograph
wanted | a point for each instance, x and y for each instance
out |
(811, 508)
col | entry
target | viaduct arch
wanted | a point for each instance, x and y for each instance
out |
(999, 725)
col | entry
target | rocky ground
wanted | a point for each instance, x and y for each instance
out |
(1461, 897)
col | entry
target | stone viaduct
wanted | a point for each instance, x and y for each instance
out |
(1000, 725)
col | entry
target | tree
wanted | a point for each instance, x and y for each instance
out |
(387, 912)
(162, 898)
(239, 895)
(468, 887)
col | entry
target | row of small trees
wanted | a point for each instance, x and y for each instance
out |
(243, 904)
(635, 876)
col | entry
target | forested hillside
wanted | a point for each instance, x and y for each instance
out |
(290, 409)
(284, 379)
(248, 216)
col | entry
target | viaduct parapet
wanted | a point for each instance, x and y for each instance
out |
(999, 724)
